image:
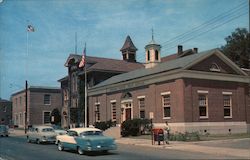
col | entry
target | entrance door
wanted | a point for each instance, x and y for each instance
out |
(128, 113)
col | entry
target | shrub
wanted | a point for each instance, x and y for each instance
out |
(104, 125)
(135, 127)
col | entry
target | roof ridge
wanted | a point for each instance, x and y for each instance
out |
(128, 44)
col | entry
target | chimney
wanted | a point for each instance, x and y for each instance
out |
(195, 50)
(179, 51)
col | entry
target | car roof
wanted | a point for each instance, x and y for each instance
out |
(41, 127)
(80, 130)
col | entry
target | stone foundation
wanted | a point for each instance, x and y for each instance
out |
(208, 127)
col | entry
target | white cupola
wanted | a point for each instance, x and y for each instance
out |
(153, 53)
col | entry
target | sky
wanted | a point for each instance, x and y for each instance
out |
(104, 26)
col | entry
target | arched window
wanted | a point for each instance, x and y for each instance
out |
(156, 55)
(214, 67)
(126, 95)
(148, 55)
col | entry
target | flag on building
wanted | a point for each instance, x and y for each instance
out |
(82, 63)
(30, 28)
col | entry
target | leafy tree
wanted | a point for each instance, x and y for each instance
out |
(56, 117)
(237, 47)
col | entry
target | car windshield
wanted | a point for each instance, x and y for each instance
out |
(47, 130)
(57, 127)
(91, 133)
(3, 128)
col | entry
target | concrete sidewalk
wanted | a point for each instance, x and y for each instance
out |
(196, 146)
(16, 132)
(192, 147)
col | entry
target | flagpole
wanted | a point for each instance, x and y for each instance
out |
(26, 81)
(85, 80)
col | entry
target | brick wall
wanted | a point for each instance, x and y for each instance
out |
(215, 100)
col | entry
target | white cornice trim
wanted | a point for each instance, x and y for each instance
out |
(227, 93)
(140, 97)
(166, 76)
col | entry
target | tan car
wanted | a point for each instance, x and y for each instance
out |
(41, 134)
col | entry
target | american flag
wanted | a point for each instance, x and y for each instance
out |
(30, 28)
(82, 63)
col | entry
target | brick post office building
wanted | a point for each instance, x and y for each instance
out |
(193, 91)
(41, 102)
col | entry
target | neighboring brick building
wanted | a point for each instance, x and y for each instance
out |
(193, 91)
(41, 102)
(98, 70)
(5, 112)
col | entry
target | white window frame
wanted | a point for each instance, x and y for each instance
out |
(49, 99)
(97, 112)
(20, 118)
(141, 108)
(205, 93)
(43, 116)
(5, 109)
(230, 105)
(112, 110)
(163, 94)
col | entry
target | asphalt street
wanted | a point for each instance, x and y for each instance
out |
(16, 148)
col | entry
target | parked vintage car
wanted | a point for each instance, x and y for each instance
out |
(85, 139)
(40, 134)
(4, 130)
(59, 130)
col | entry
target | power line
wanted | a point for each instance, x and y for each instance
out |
(212, 23)
(210, 29)
(218, 21)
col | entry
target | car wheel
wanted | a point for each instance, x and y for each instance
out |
(105, 151)
(60, 146)
(38, 141)
(28, 139)
(80, 151)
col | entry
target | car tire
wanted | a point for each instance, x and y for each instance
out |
(79, 150)
(38, 141)
(60, 146)
(105, 151)
(28, 139)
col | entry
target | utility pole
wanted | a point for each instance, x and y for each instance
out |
(26, 106)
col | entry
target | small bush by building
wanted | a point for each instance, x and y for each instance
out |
(104, 125)
(135, 127)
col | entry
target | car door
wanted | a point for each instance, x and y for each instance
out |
(31, 133)
(69, 140)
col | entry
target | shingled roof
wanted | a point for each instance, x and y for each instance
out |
(162, 67)
(128, 44)
(106, 64)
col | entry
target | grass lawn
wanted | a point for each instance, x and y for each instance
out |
(224, 136)
(206, 137)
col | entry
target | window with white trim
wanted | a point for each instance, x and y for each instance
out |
(46, 117)
(47, 99)
(20, 101)
(141, 104)
(113, 111)
(203, 106)
(21, 118)
(166, 106)
(97, 112)
(5, 109)
(227, 103)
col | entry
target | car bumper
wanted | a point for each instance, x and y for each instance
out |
(49, 140)
(100, 148)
